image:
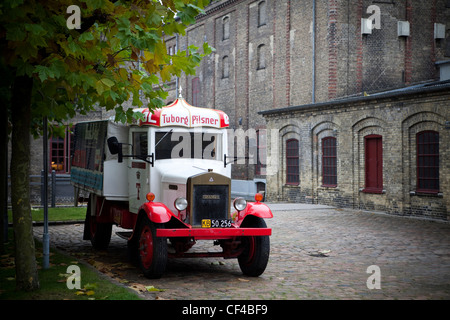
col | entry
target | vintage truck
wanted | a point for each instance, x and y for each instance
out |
(165, 181)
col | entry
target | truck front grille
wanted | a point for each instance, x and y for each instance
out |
(209, 202)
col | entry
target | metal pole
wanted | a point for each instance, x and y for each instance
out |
(45, 238)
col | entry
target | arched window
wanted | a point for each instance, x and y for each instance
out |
(329, 161)
(225, 67)
(428, 161)
(261, 13)
(292, 162)
(261, 57)
(226, 28)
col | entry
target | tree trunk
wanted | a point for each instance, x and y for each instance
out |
(5, 99)
(25, 258)
(3, 172)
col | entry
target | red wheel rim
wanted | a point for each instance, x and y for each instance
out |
(146, 247)
(251, 250)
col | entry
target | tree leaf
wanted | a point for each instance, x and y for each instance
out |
(99, 87)
(43, 72)
(107, 82)
(85, 36)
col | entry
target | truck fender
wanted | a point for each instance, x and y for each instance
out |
(257, 209)
(157, 212)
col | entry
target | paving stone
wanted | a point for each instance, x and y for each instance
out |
(413, 256)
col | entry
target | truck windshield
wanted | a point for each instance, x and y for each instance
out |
(193, 145)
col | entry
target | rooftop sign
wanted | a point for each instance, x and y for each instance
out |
(182, 114)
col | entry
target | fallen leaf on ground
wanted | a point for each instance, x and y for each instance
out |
(152, 288)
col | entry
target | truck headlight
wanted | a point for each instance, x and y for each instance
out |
(239, 204)
(181, 204)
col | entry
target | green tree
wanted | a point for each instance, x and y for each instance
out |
(117, 54)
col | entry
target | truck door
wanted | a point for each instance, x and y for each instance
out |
(138, 168)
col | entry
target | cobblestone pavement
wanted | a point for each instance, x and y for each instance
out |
(413, 257)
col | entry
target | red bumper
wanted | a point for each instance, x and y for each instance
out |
(213, 233)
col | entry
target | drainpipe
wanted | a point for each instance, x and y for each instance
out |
(177, 80)
(313, 93)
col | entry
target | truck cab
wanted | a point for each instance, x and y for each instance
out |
(167, 180)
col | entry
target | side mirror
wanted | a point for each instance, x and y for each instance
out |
(115, 147)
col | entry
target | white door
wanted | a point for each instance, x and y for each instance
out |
(138, 168)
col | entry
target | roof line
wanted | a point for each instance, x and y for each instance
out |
(429, 87)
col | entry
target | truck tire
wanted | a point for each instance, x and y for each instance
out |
(98, 233)
(152, 250)
(253, 261)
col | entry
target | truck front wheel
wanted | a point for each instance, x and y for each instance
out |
(152, 250)
(253, 260)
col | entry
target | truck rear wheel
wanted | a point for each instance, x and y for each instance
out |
(98, 233)
(253, 261)
(152, 250)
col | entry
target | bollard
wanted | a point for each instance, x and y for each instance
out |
(46, 250)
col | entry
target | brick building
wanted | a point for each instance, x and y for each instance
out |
(388, 151)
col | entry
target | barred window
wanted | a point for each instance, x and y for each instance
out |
(428, 161)
(292, 162)
(195, 91)
(329, 160)
(261, 146)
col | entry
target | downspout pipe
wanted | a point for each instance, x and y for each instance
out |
(177, 79)
(313, 87)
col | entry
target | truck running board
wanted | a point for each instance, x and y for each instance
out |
(206, 233)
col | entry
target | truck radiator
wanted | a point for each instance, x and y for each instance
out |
(210, 202)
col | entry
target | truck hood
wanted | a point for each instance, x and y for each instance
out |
(177, 171)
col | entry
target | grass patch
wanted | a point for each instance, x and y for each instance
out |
(53, 281)
(56, 214)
